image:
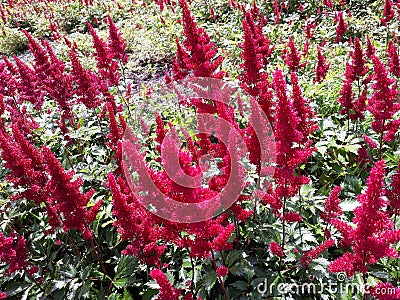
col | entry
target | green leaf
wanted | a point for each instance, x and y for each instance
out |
(240, 285)
(126, 266)
(149, 293)
(127, 296)
(120, 282)
(15, 288)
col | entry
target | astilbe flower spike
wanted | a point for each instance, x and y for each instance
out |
(167, 291)
(363, 157)
(13, 252)
(143, 229)
(29, 87)
(341, 26)
(353, 105)
(54, 28)
(393, 193)
(331, 205)
(41, 58)
(58, 84)
(25, 163)
(277, 12)
(322, 66)
(357, 67)
(289, 135)
(372, 144)
(372, 237)
(252, 59)
(388, 13)
(52, 79)
(179, 69)
(254, 80)
(309, 28)
(8, 82)
(370, 47)
(346, 98)
(383, 102)
(307, 257)
(276, 249)
(66, 198)
(117, 129)
(107, 66)
(393, 59)
(135, 224)
(256, 22)
(303, 111)
(116, 43)
(87, 82)
(292, 57)
(2, 105)
(201, 61)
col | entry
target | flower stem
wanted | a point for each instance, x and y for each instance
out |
(219, 278)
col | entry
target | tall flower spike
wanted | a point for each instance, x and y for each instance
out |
(116, 43)
(58, 83)
(201, 61)
(8, 81)
(167, 291)
(309, 28)
(331, 205)
(116, 129)
(372, 238)
(65, 196)
(370, 47)
(358, 67)
(277, 12)
(383, 102)
(388, 13)
(180, 69)
(292, 57)
(255, 54)
(28, 86)
(87, 82)
(252, 59)
(25, 163)
(41, 58)
(315, 252)
(346, 97)
(108, 68)
(135, 224)
(13, 254)
(288, 137)
(355, 70)
(393, 193)
(341, 26)
(322, 66)
(303, 111)
(393, 59)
